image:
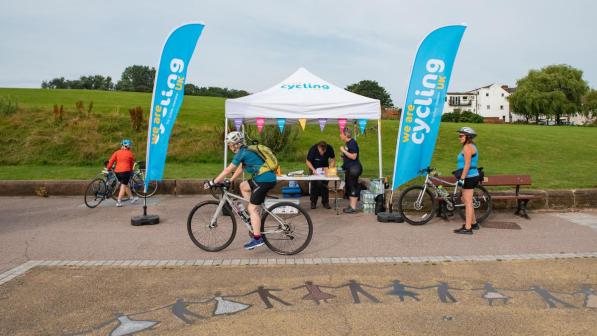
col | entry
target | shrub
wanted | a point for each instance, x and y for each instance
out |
(90, 108)
(8, 106)
(282, 144)
(137, 121)
(58, 113)
(80, 106)
(466, 117)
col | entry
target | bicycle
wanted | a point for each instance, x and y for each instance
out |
(418, 204)
(137, 182)
(105, 185)
(286, 228)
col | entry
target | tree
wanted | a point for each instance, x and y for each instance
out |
(555, 90)
(590, 104)
(138, 78)
(371, 89)
(92, 82)
(212, 91)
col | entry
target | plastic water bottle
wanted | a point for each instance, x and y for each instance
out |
(243, 213)
(442, 191)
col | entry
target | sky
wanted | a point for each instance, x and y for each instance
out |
(253, 45)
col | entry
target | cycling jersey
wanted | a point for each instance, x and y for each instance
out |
(251, 164)
(124, 161)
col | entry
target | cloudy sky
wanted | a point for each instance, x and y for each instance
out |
(253, 45)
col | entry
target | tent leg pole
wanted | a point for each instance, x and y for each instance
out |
(379, 147)
(225, 135)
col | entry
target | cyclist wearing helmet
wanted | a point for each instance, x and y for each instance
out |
(254, 189)
(124, 168)
(468, 177)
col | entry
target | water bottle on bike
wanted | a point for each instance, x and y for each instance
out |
(442, 192)
(243, 213)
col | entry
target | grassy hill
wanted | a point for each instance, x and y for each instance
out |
(36, 145)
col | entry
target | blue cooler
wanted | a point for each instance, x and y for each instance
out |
(291, 192)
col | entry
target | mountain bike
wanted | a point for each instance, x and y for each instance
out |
(418, 204)
(285, 227)
(105, 185)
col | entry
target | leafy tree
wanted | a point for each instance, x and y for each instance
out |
(138, 78)
(553, 91)
(56, 83)
(590, 104)
(92, 82)
(372, 89)
(212, 91)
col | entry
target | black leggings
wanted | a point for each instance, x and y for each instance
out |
(352, 179)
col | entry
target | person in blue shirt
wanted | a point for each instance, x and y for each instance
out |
(352, 169)
(254, 189)
(469, 177)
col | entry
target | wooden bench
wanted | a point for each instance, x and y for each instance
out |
(508, 181)
(511, 181)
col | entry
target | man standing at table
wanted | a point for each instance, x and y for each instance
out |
(321, 155)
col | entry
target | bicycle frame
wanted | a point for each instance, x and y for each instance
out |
(228, 198)
(429, 182)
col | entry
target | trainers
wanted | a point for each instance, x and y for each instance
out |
(135, 199)
(118, 204)
(254, 243)
(349, 210)
(463, 230)
(475, 226)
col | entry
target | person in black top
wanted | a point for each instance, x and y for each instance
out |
(352, 169)
(321, 155)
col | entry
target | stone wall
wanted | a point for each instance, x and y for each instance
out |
(553, 199)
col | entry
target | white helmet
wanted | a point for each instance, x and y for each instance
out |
(235, 138)
(468, 131)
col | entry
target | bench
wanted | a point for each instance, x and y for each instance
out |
(508, 181)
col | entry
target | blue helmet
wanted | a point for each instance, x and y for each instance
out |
(126, 143)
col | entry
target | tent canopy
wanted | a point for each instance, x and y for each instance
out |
(303, 95)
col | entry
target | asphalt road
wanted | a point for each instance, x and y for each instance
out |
(34, 228)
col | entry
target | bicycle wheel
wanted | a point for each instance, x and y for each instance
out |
(137, 185)
(95, 193)
(211, 237)
(481, 204)
(415, 206)
(286, 228)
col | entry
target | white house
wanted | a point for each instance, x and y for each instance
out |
(490, 102)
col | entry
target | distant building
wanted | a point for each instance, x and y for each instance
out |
(490, 102)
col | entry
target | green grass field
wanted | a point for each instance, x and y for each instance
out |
(35, 146)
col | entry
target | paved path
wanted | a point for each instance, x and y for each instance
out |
(68, 270)
(540, 297)
(62, 228)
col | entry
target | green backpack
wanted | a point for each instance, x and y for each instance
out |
(268, 157)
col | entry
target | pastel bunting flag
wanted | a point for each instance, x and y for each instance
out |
(260, 122)
(322, 122)
(303, 123)
(341, 124)
(362, 125)
(238, 123)
(281, 124)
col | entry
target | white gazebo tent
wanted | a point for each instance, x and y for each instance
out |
(304, 96)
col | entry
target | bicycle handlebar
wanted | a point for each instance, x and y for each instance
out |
(226, 184)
